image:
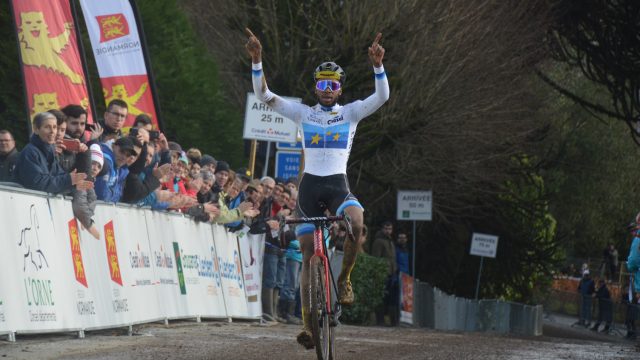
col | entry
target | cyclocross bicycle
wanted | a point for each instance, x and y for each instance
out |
(324, 316)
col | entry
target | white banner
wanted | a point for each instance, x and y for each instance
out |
(164, 230)
(114, 37)
(251, 254)
(79, 250)
(146, 266)
(201, 275)
(228, 261)
(35, 289)
(117, 49)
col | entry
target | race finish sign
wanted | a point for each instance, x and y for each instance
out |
(414, 205)
(483, 245)
(262, 123)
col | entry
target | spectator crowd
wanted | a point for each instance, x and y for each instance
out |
(140, 166)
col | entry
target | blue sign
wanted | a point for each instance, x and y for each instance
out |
(288, 164)
(288, 146)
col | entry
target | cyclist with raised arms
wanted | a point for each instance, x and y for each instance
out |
(328, 130)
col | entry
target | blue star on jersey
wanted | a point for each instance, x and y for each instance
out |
(334, 137)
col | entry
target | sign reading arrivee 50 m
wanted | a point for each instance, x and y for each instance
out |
(414, 205)
(261, 122)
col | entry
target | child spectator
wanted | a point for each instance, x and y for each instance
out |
(84, 201)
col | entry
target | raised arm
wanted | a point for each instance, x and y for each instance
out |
(284, 107)
(369, 105)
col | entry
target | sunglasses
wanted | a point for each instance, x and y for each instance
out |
(322, 85)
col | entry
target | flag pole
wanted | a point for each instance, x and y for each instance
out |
(24, 80)
(83, 60)
(147, 62)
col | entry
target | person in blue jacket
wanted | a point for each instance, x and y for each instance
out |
(37, 168)
(633, 266)
(117, 158)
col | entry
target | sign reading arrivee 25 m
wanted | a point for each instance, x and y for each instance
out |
(261, 122)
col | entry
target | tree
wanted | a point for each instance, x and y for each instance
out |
(194, 111)
(599, 38)
(13, 116)
(461, 106)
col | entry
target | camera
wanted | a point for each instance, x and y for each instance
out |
(154, 135)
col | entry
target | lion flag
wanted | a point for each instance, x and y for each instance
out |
(51, 62)
(118, 52)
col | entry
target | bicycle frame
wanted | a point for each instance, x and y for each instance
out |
(319, 249)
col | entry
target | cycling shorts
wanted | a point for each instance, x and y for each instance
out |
(319, 193)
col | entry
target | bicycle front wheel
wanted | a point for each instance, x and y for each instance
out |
(320, 316)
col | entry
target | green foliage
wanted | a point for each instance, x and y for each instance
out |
(591, 173)
(13, 113)
(194, 110)
(530, 251)
(368, 278)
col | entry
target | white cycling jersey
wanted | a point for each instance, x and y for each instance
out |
(327, 132)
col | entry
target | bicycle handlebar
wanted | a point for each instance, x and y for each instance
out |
(315, 220)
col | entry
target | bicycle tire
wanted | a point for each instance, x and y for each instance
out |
(321, 329)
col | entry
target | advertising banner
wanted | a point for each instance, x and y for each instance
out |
(36, 287)
(406, 298)
(226, 247)
(81, 266)
(251, 255)
(118, 52)
(191, 285)
(134, 256)
(146, 266)
(49, 55)
(163, 233)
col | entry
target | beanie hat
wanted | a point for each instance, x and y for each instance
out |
(244, 174)
(222, 166)
(207, 160)
(96, 154)
(174, 146)
(184, 158)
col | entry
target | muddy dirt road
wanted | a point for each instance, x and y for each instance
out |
(244, 340)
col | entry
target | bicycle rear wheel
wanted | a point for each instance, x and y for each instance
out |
(321, 328)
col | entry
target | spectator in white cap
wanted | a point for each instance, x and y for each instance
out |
(84, 201)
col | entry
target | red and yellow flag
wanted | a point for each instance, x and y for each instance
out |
(49, 53)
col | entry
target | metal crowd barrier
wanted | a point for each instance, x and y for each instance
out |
(437, 310)
(614, 313)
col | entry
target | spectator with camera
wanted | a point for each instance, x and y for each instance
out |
(114, 117)
(70, 153)
(77, 125)
(37, 168)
